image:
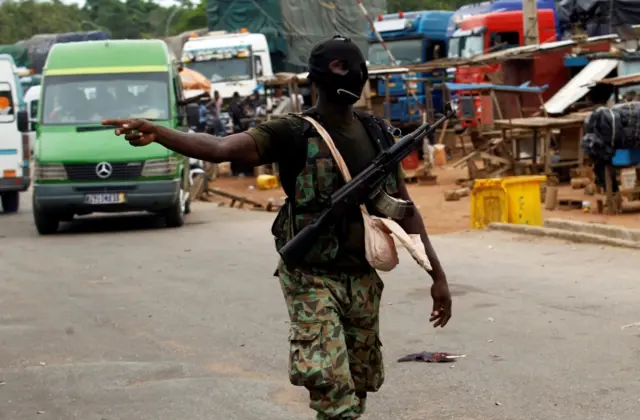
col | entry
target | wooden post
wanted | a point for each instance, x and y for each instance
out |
(496, 103)
(609, 172)
(547, 152)
(551, 198)
(530, 23)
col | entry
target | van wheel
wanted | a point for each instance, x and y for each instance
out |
(46, 223)
(11, 202)
(174, 215)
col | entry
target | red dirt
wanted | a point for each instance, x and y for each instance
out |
(440, 216)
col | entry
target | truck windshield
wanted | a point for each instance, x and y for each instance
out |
(224, 70)
(406, 51)
(466, 46)
(91, 98)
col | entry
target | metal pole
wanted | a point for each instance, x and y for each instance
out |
(175, 11)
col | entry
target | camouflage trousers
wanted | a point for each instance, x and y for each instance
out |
(334, 339)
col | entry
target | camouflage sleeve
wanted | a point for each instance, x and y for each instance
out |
(276, 139)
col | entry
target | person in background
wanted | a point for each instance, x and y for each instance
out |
(204, 114)
(215, 108)
(238, 114)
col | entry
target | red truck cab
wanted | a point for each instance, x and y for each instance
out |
(481, 34)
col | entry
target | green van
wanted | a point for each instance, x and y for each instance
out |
(81, 167)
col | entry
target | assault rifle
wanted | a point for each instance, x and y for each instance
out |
(358, 190)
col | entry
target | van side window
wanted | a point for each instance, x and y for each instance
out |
(179, 95)
(7, 108)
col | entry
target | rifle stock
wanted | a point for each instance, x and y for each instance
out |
(354, 191)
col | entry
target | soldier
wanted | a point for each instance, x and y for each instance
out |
(333, 296)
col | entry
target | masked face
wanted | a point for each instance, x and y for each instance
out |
(339, 69)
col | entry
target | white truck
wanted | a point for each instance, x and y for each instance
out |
(234, 62)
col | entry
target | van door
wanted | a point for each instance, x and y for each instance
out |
(11, 154)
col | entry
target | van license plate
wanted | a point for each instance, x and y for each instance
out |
(105, 198)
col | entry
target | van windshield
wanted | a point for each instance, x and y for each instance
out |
(91, 98)
(223, 70)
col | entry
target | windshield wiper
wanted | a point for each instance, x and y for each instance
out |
(93, 128)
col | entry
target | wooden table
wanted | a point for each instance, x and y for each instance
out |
(541, 128)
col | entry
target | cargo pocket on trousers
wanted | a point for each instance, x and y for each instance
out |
(309, 361)
(368, 367)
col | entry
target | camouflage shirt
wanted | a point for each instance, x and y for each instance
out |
(282, 141)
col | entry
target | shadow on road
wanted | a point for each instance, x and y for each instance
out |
(118, 223)
(112, 223)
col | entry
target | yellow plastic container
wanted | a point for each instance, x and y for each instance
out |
(488, 203)
(523, 196)
(514, 199)
(267, 182)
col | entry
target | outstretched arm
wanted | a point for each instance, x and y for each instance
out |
(239, 147)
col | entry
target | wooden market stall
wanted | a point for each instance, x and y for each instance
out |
(568, 149)
(627, 170)
(491, 146)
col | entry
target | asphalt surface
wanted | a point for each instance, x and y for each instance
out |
(121, 318)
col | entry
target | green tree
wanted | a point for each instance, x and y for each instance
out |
(190, 17)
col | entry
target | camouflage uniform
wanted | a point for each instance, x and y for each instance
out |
(334, 339)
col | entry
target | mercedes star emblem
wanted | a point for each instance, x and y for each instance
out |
(104, 170)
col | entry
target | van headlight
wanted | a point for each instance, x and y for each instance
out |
(49, 172)
(160, 167)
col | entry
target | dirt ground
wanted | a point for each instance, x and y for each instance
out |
(440, 216)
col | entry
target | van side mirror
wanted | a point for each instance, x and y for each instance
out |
(34, 109)
(23, 121)
(193, 115)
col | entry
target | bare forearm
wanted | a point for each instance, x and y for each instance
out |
(238, 147)
(196, 145)
(413, 224)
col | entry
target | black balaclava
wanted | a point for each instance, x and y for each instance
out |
(345, 89)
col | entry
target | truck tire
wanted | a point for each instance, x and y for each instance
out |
(174, 215)
(46, 223)
(11, 202)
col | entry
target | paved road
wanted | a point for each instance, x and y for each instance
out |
(121, 319)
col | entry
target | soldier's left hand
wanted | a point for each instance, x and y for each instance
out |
(441, 296)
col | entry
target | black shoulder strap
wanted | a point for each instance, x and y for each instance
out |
(377, 129)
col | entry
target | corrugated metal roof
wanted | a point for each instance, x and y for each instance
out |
(579, 85)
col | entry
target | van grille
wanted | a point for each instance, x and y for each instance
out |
(120, 171)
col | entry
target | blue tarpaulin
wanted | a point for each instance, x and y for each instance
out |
(524, 88)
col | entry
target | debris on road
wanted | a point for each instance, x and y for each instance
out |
(635, 324)
(438, 357)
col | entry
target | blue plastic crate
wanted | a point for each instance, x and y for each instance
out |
(626, 157)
